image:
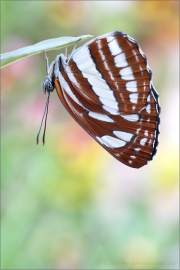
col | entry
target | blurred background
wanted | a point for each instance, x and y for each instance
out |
(70, 204)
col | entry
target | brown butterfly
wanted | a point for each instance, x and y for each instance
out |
(106, 86)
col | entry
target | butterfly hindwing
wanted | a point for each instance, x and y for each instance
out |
(107, 88)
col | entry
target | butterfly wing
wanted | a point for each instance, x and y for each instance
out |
(107, 89)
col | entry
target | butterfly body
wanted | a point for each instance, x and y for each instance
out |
(106, 86)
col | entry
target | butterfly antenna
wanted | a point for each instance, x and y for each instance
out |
(45, 112)
(44, 133)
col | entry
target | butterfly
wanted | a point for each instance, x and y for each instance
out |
(106, 86)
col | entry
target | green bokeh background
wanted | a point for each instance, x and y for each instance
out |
(69, 204)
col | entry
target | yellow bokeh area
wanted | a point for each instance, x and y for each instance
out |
(70, 204)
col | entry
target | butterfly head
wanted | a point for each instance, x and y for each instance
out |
(47, 85)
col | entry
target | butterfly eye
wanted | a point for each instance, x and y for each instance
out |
(47, 85)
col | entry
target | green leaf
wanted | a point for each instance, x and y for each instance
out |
(46, 45)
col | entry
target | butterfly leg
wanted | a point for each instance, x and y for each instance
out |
(73, 49)
(66, 52)
(47, 64)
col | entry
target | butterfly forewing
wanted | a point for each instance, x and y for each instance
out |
(107, 89)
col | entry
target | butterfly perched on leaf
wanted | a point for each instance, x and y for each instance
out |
(106, 86)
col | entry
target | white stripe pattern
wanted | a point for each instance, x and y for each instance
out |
(120, 60)
(143, 141)
(100, 117)
(109, 103)
(126, 73)
(130, 117)
(134, 97)
(94, 77)
(114, 47)
(131, 86)
(148, 108)
(137, 149)
(68, 90)
(104, 60)
(109, 39)
(111, 141)
(135, 54)
(110, 110)
(125, 136)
